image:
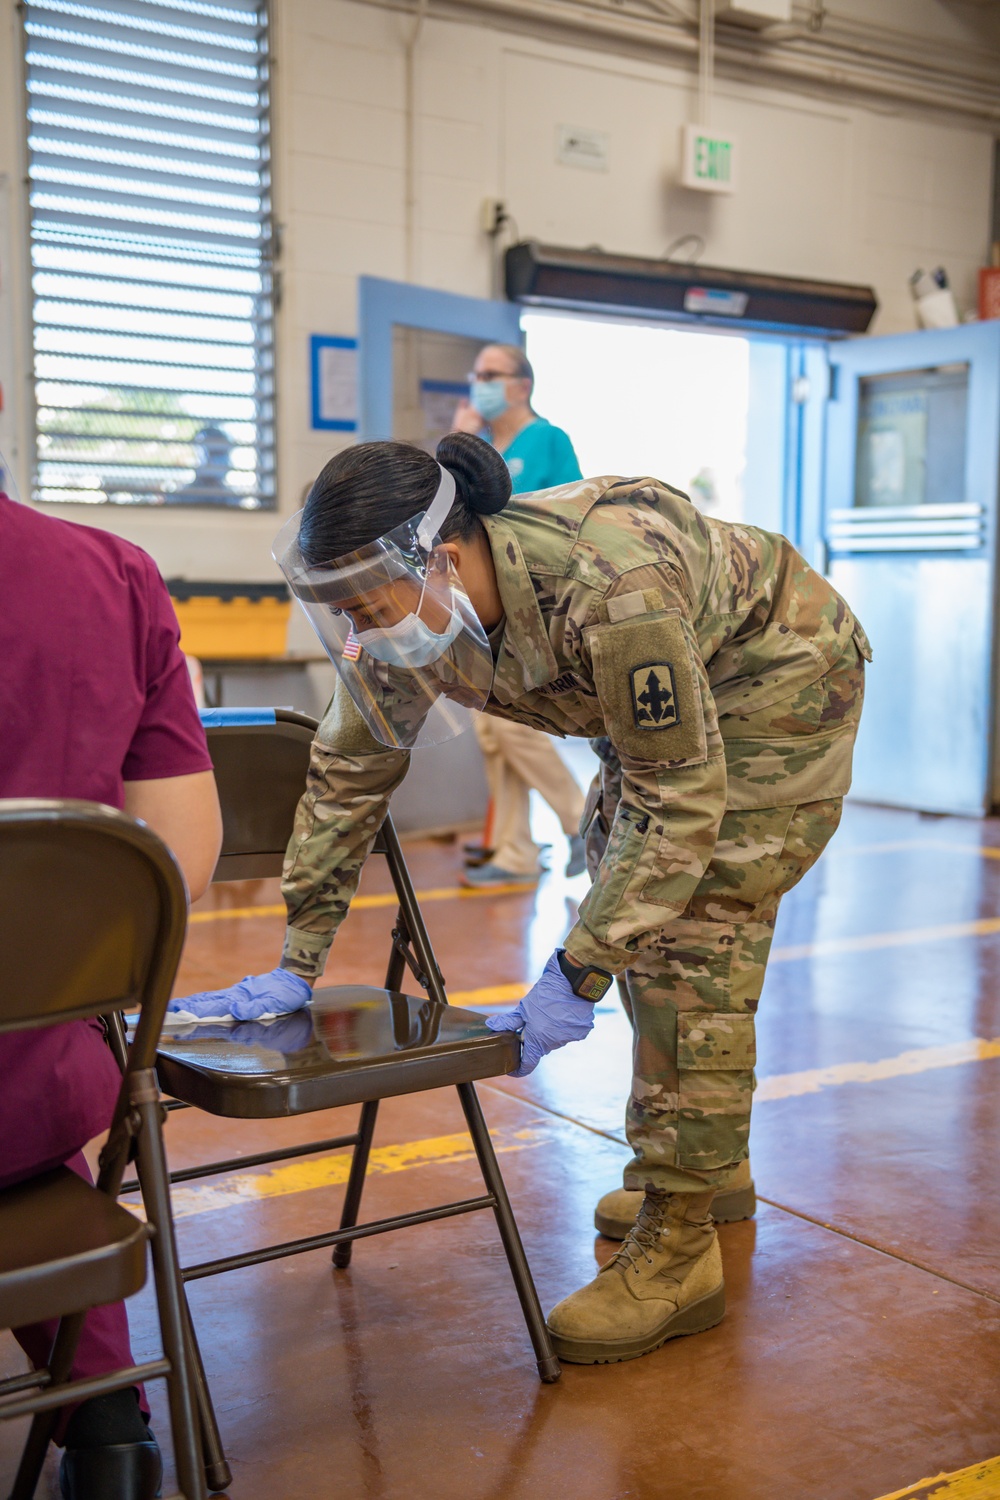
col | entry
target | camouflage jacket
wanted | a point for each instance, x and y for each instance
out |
(699, 647)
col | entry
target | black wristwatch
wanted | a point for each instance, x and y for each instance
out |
(590, 984)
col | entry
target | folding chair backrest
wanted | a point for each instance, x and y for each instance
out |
(93, 912)
(261, 760)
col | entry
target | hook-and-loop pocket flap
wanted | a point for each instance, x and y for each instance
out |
(721, 1041)
(649, 690)
(861, 640)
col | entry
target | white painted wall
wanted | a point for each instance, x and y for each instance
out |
(839, 190)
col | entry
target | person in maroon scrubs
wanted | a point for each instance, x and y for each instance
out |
(95, 703)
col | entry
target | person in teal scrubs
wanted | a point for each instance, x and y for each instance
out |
(537, 454)
(518, 758)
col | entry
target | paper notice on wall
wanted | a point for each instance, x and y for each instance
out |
(334, 382)
(438, 400)
(576, 146)
(892, 449)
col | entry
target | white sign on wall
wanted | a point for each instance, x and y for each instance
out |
(708, 160)
(576, 146)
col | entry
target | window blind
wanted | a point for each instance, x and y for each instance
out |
(151, 251)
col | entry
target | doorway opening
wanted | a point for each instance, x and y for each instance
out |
(641, 398)
(636, 399)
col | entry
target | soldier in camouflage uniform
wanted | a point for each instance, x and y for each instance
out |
(724, 679)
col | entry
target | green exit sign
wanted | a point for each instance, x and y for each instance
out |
(708, 160)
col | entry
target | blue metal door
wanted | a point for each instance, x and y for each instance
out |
(415, 346)
(908, 457)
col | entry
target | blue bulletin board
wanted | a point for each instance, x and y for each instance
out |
(333, 364)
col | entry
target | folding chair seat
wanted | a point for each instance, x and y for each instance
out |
(67, 1246)
(355, 1044)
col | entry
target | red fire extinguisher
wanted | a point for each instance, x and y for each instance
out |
(989, 285)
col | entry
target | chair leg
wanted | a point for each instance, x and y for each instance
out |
(170, 1302)
(356, 1181)
(549, 1367)
(117, 1038)
(43, 1424)
(217, 1471)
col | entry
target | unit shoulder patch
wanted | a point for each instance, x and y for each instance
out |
(649, 687)
(654, 696)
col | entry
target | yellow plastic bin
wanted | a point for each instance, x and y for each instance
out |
(231, 619)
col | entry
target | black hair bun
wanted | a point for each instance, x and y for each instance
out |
(482, 479)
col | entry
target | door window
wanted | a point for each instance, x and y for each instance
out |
(911, 438)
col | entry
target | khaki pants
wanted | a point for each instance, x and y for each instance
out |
(518, 759)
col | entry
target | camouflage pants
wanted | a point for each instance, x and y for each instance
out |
(693, 995)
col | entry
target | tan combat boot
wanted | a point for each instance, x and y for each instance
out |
(616, 1211)
(665, 1280)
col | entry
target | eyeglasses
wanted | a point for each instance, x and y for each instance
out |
(485, 375)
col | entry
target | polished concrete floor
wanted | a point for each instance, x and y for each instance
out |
(861, 1351)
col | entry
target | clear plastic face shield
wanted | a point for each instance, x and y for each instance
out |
(397, 624)
(7, 485)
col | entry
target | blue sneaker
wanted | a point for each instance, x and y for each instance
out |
(482, 877)
(577, 862)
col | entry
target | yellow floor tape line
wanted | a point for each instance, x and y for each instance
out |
(368, 903)
(910, 937)
(982, 849)
(493, 994)
(228, 913)
(239, 1191)
(906, 846)
(465, 893)
(825, 948)
(919, 1060)
(979, 1482)
(331, 1171)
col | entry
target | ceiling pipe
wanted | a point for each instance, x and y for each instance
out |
(410, 141)
(674, 39)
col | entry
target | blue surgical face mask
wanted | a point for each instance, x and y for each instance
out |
(489, 397)
(410, 642)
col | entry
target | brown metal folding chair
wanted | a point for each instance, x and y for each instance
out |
(107, 936)
(363, 1044)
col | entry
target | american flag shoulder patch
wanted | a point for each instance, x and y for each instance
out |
(352, 647)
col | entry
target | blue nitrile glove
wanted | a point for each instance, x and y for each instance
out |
(254, 998)
(549, 1016)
